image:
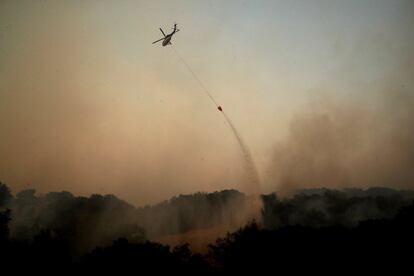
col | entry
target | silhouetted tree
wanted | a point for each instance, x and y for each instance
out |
(5, 213)
(5, 196)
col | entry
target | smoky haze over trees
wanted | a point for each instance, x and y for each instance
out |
(100, 233)
(341, 142)
(98, 220)
(88, 106)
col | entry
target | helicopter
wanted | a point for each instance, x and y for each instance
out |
(166, 40)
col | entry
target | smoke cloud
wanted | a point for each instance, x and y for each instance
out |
(338, 142)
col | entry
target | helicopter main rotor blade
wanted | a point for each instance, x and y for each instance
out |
(158, 40)
(162, 32)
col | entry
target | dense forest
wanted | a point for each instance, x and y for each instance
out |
(315, 229)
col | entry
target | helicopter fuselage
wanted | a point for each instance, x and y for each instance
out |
(167, 40)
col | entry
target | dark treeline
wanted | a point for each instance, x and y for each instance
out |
(325, 207)
(315, 230)
(87, 222)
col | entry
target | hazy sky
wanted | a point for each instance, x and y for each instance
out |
(89, 105)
